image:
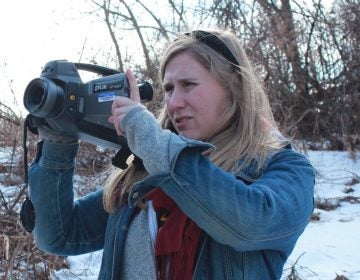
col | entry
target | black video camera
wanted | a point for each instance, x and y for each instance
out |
(61, 100)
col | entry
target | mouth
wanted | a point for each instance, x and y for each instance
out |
(180, 122)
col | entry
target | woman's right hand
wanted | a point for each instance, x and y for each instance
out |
(123, 105)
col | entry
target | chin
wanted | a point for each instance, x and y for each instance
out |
(190, 135)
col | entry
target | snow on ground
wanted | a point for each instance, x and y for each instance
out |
(329, 246)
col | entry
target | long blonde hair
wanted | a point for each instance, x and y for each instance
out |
(248, 125)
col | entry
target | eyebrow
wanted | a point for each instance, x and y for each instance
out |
(191, 79)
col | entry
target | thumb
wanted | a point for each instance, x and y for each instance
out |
(134, 90)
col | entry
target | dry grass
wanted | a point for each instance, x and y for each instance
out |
(19, 257)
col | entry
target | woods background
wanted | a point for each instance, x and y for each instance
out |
(307, 55)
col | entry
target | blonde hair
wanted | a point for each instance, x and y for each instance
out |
(248, 125)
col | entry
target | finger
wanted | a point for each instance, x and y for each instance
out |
(120, 101)
(134, 90)
(116, 122)
(119, 113)
(123, 110)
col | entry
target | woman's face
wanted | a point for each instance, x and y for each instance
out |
(194, 99)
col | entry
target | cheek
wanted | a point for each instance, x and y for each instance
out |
(215, 107)
(166, 104)
(217, 112)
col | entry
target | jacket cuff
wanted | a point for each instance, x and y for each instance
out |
(56, 155)
(157, 147)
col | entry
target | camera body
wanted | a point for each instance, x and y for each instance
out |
(60, 99)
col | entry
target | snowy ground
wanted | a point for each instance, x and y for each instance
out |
(329, 246)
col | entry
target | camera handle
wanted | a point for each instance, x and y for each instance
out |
(101, 70)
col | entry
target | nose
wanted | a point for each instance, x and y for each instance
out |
(175, 101)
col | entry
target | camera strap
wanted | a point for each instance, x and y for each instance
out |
(27, 211)
(120, 158)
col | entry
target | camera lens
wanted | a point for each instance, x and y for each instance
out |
(43, 98)
(38, 95)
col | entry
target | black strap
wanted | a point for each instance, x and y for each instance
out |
(119, 160)
(214, 42)
(27, 211)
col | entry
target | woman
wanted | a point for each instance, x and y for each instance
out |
(214, 190)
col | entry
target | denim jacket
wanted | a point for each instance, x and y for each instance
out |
(251, 219)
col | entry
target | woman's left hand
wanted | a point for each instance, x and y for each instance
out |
(122, 105)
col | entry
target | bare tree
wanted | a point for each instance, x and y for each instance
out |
(127, 19)
(105, 8)
(306, 54)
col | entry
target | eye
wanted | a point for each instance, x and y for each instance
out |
(168, 89)
(189, 83)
